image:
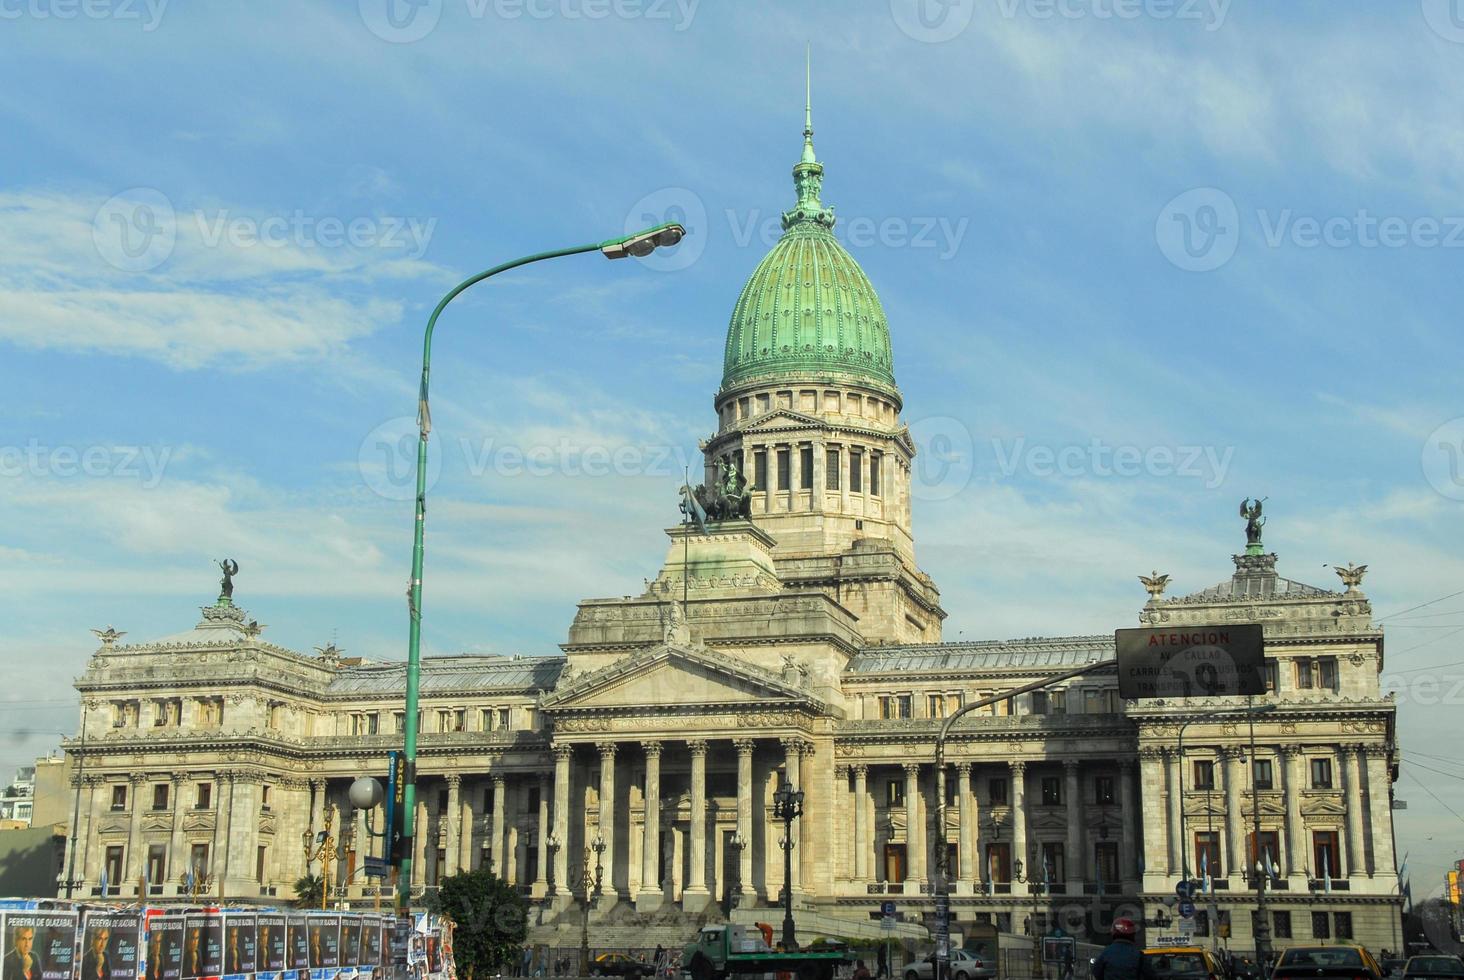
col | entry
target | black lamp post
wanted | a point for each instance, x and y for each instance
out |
(787, 807)
(599, 848)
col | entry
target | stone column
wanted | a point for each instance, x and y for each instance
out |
(791, 773)
(914, 842)
(317, 806)
(1150, 820)
(1019, 821)
(562, 754)
(177, 849)
(134, 830)
(1128, 815)
(1380, 813)
(607, 812)
(1075, 859)
(806, 827)
(744, 748)
(1176, 804)
(1356, 855)
(541, 840)
(467, 817)
(695, 893)
(453, 818)
(862, 845)
(651, 893)
(963, 824)
(1297, 858)
(820, 460)
(1235, 822)
(420, 830)
(219, 853)
(500, 820)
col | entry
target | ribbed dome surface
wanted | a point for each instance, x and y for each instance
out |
(809, 310)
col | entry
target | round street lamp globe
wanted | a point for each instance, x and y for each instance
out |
(366, 793)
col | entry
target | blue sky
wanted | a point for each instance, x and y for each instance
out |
(1218, 241)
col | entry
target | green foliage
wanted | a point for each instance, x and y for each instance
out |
(308, 889)
(491, 917)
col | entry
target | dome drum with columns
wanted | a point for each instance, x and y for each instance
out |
(802, 644)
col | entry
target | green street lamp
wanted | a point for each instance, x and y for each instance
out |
(639, 244)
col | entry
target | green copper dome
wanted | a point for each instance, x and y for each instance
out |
(808, 311)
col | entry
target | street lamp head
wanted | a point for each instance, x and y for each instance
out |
(645, 242)
(1017, 868)
(366, 793)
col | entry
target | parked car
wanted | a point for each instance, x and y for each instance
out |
(1393, 966)
(1344, 961)
(1182, 963)
(965, 965)
(1434, 965)
(619, 965)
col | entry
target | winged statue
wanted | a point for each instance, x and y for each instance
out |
(1155, 583)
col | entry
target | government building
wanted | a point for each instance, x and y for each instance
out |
(792, 638)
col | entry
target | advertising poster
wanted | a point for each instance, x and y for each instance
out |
(203, 945)
(164, 957)
(325, 946)
(39, 945)
(350, 941)
(297, 948)
(240, 938)
(270, 959)
(109, 945)
(434, 951)
(371, 946)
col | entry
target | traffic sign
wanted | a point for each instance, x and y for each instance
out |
(1185, 889)
(1186, 909)
(1190, 661)
(375, 867)
(887, 909)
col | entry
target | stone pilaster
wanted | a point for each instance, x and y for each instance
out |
(1356, 815)
(914, 839)
(1019, 820)
(500, 819)
(135, 847)
(541, 838)
(1297, 858)
(862, 845)
(1129, 819)
(1235, 823)
(1380, 813)
(1072, 796)
(744, 748)
(965, 812)
(694, 896)
(651, 894)
(562, 757)
(453, 819)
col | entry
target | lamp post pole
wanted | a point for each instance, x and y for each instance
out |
(787, 807)
(642, 243)
(1262, 927)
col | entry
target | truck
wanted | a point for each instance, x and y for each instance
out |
(722, 951)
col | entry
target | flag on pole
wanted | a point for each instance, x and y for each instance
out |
(1205, 869)
(103, 883)
(1326, 872)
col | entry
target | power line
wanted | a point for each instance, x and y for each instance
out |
(1453, 775)
(1420, 606)
(1414, 670)
(1418, 646)
(1432, 793)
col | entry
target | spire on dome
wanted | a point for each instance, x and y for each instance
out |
(808, 173)
(808, 156)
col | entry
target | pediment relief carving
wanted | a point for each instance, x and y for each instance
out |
(675, 676)
(1322, 807)
(199, 821)
(113, 825)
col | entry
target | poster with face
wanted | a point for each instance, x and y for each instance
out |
(325, 945)
(203, 945)
(164, 956)
(372, 942)
(350, 940)
(270, 958)
(39, 945)
(297, 947)
(240, 939)
(434, 951)
(109, 946)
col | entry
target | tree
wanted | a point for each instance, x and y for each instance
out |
(491, 919)
(308, 889)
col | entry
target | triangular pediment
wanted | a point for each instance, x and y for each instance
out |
(673, 676)
(1322, 807)
(780, 418)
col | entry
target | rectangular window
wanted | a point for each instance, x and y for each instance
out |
(459, 721)
(998, 862)
(1321, 926)
(759, 470)
(895, 792)
(1202, 923)
(856, 471)
(160, 796)
(1103, 794)
(533, 796)
(157, 864)
(1321, 773)
(831, 470)
(119, 798)
(1271, 676)
(935, 706)
(1326, 858)
(399, 721)
(1204, 774)
(1327, 678)
(114, 871)
(785, 475)
(1303, 675)
(1105, 861)
(1269, 855)
(997, 789)
(805, 467)
(1281, 925)
(1342, 924)
(203, 798)
(1207, 853)
(1053, 867)
(876, 462)
(503, 719)
(198, 859)
(1039, 702)
(1263, 774)
(264, 797)
(488, 798)
(1051, 791)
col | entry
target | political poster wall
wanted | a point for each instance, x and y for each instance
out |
(324, 932)
(240, 940)
(38, 945)
(163, 956)
(271, 955)
(203, 945)
(109, 945)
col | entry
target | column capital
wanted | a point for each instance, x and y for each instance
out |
(697, 747)
(1150, 753)
(841, 772)
(1377, 750)
(544, 777)
(454, 780)
(607, 750)
(317, 784)
(791, 745)
(178, 777)
(499, 778)
(563, 751)
(1230, 753)
(652, 749)
(1290, 751)
(1019, 766)
(911, 768)
(1125, 766)
(1353, 748)
(744, 746)
(860, 770)
(137, 778)
(1070, 766)
(964, 769)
